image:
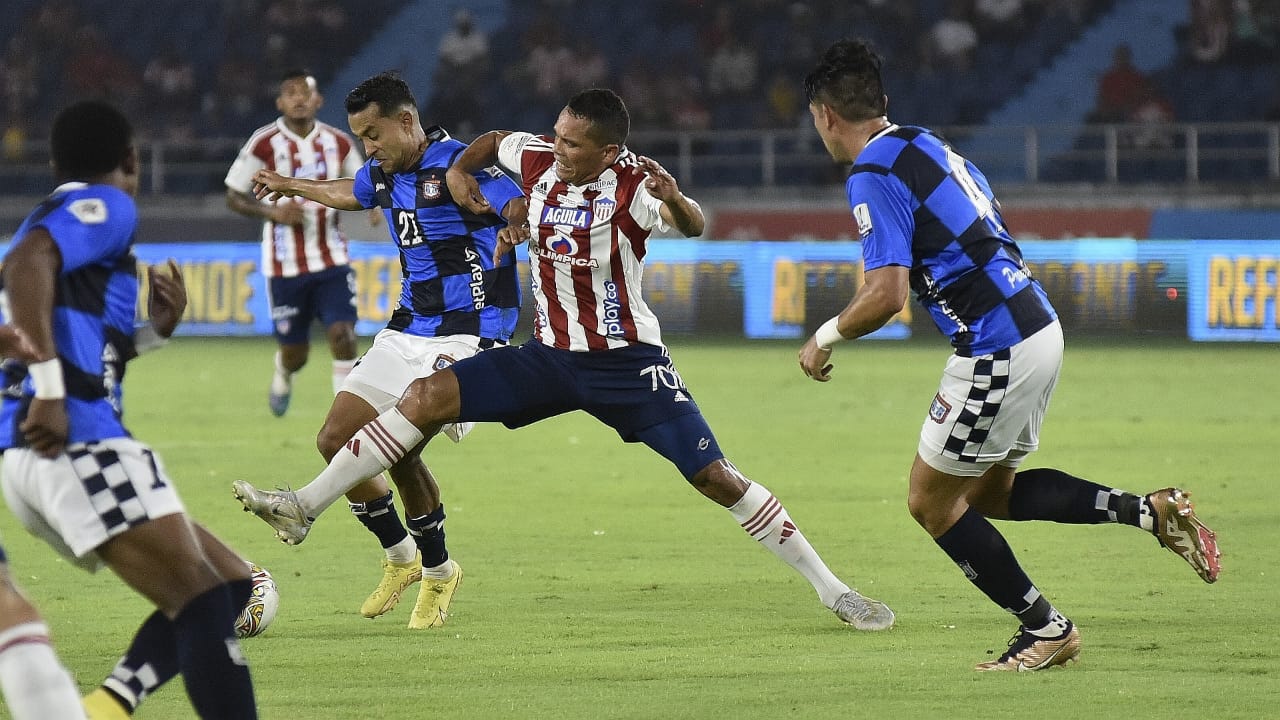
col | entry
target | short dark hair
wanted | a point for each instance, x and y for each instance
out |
(88, 139)
(295, 73)
(605, 111)
(386, 89)
(847, 79)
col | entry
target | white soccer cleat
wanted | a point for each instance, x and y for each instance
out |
(862, 612)
(279, 508)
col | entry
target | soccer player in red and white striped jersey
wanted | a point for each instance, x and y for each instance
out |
(597, 346)
(304, 252)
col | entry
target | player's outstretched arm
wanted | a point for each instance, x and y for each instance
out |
(463, 186)
(677, 209)
(30, 273)
(338, 194)
(882, 295)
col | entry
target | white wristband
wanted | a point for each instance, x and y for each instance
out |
(828, 333)
(146, 338)
(47, 377)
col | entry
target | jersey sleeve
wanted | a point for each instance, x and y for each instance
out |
(881, 208)
(362, 189)
(240, 176)
(510, 151)
(91, 229)
(497, 188)
(646, 210)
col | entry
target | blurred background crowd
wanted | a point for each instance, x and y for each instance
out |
(210, 70)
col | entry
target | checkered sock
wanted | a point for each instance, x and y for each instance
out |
(150, 661)
(428, 533)
(1048, 494)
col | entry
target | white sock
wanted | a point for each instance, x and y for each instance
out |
(36, 686)
(403, 551)
(341, 369)
(374, 448)
(282, 380)
(764, 518)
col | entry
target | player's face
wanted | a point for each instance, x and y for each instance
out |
(822, 116)
(299, 99)
(395, 141)
(579, 157)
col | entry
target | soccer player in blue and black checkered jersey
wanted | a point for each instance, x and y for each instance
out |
(455, 301)
(929, 222)
(72, 473)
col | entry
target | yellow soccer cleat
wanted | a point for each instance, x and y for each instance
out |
(433, 600)
(396, 577)
(100, 705)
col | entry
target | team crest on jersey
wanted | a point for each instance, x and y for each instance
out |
(939, 410)
(431, 189)
(282, 327)
(442, 362)
(89, 211)
(603, 208)
(862, 215)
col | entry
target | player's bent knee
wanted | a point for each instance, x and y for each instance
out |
(431, 400)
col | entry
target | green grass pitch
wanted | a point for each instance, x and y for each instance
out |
(599, 585)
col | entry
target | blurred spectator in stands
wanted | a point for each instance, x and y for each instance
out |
(1210, 30)
(19, 77)
(96, 71)
(952, 39)
(1001, 21)
(731, 70)
(801, 42)
(1152, 112)
(587, 66)
(549, 58)
(1255, 31)
(719, 31)
(457, 101)
(783, 102)
(14, 138)
(169, 84)
(1071, 13)
(232, 107)
(1118, 88)
(640, 88)
(689, 109)
(54, 27)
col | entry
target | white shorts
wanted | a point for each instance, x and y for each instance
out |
(989, 408)
(87, 495)
(396, 359)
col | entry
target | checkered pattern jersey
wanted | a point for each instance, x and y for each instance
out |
(451, 285)
(920, 205)
(587, 249)
(94, 310)
(326, 153)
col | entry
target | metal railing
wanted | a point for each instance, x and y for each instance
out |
(1244, 154)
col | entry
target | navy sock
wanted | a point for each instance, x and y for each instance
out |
(428, 533)
(379, 517)
(1048, 494)
(986, 559)
(213, 669)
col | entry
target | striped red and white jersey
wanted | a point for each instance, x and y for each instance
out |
(326, 153)
(586, 248)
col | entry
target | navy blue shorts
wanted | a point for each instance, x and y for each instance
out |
(328, 296)
(635, 390)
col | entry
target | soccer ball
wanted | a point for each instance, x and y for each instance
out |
(263, 603)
